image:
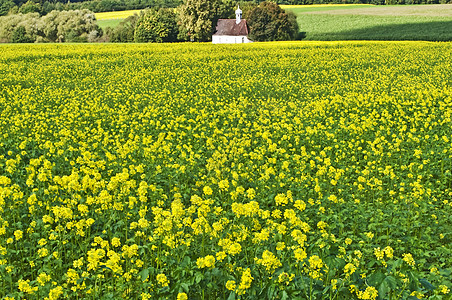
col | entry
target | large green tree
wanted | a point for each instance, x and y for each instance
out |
(157, 26)
(124, 32)
(70, 26)
(269, 22)
(30, 7)
(198, 18)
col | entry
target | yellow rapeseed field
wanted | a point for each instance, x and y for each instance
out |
(116, 14)
(195, 171)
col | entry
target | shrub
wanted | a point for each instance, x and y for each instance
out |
(20, 36)
(269, 22)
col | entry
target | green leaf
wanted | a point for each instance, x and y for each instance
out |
(285, 296)
(185, 287)
(383, 290)
(231, 296)
(426, 284)
(376, 279)
(198, 277)
(270, 292)
(144, 274)
(391, 282)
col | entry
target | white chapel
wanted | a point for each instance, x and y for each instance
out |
(230, 31)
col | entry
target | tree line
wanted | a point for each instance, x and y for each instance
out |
(193, 20)
(57, 26)
(44, 7)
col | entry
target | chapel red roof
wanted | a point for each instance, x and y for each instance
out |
(229, 27)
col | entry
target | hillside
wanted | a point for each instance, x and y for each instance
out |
(367, 22)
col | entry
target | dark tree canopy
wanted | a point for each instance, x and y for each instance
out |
(124, 32)
(269, 22)
(198, 18)
(157, 26)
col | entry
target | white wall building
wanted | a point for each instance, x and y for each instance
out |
(230, 31)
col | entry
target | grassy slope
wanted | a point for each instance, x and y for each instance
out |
(411, 22)
(109, 23)
(113, 18)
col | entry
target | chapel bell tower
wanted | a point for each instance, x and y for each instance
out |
(238, 15)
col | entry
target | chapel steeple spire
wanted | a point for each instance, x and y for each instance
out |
(238, 15)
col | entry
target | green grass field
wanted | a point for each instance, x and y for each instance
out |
(109, 23)
(113, 18)
(366, 22)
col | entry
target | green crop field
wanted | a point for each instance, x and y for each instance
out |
(366, 22)
(112, 23)
(290, 170)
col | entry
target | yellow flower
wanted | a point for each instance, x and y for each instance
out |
(207, 190)
(389, 251)
(24, 286)
(408, 258)
(280, 246)
(443, 289)
(230, 285)
(281, 199)
(43, 278)
(223, 185)
(206, 262)
(300, 205)
(220, 255)
(417, 294)
(349, 269)
(285, 278)
(251, 193)
(370, 293)
(269, 260)
(145, 296)
(321, 225)
(162, 280)
(234, 249)
(300, 254)
(55, 293)
(115, 242)
(334, 284)
(315, 262)
(245, 282)
(379, 253)
(18, 234)
(182, 296)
